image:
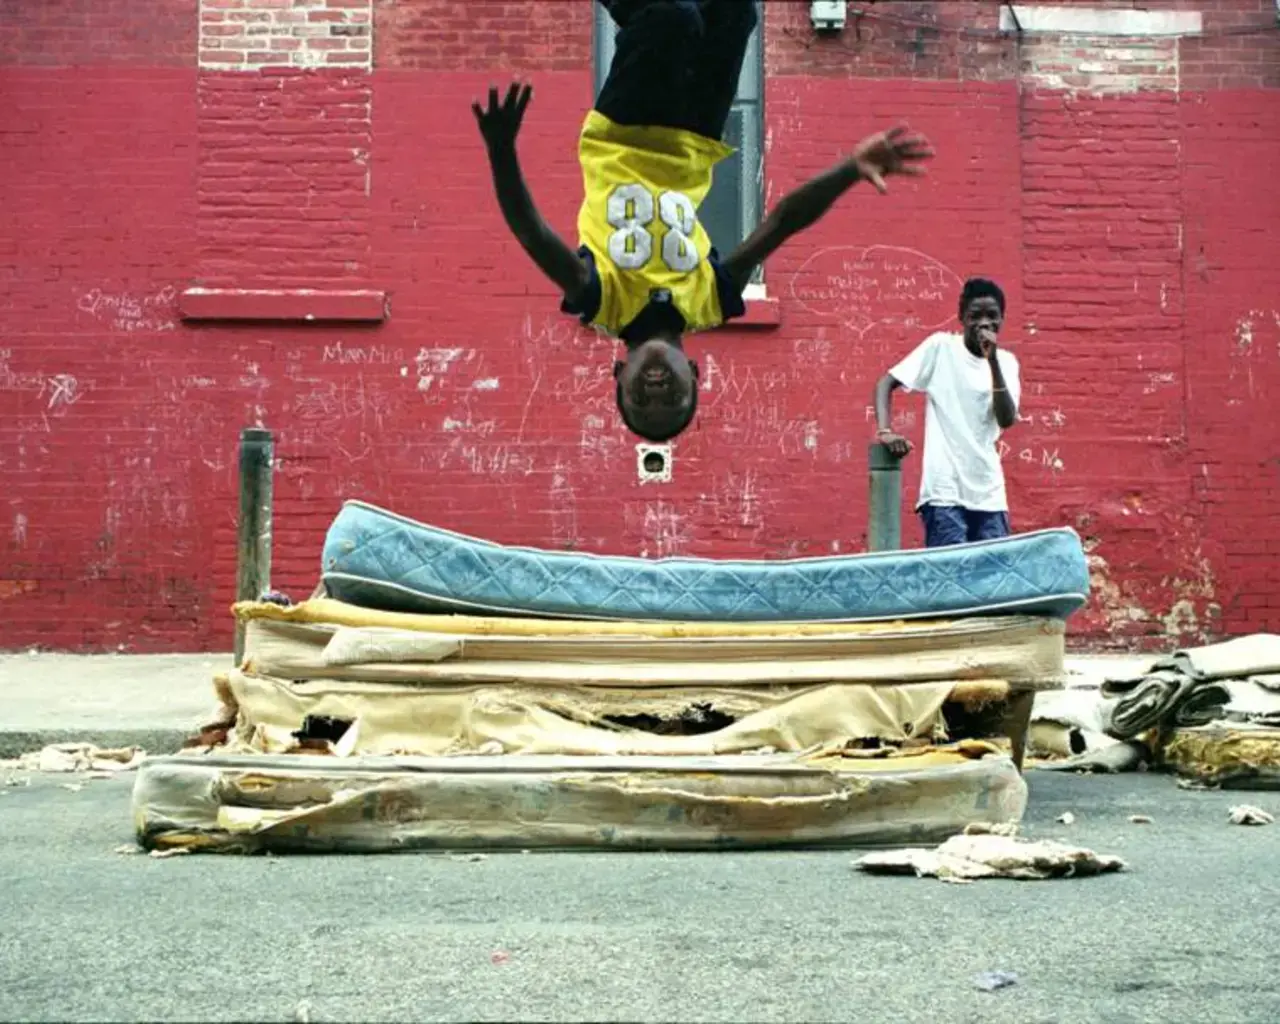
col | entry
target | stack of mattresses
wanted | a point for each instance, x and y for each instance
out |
(452, 692)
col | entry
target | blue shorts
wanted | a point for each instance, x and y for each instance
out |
(952, 524)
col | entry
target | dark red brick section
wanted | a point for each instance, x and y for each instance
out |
(76, 33)
(497, 37)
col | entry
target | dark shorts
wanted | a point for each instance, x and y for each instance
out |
(952, 524)
(677, 63)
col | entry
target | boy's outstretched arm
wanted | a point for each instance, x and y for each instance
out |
(875, 158)
(500, 124)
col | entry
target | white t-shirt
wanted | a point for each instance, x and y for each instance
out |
(961, 463)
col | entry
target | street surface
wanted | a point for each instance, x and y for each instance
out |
(1187, 934)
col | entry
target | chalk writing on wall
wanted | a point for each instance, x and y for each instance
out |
(564, 509)
(735, 500)
(55, 393)
(662, 528)
(770, 424)
(482, 459)
(877, 287)
(125, 311)
(348, 415)
(362, 355)
(1043, 458)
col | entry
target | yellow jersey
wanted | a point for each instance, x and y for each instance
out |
(638, 224)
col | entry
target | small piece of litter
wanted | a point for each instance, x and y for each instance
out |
(1186, 783)
(500, 957)
(468, 858)
(75, 787)
(989, 981)
(1066, 818)
(302, 1013)
(128, 848)
(985, 828)
(173, 851)
(1247, 814)
(1139, 819)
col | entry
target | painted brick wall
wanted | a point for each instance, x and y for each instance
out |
(101, 540)
(1103, 327)
(1118, 188)
(1232, 354)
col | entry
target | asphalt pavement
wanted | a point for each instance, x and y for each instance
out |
(1186, 934)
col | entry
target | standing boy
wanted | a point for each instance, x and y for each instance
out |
(972, 390)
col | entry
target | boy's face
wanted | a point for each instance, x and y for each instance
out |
(982, 317)
(655, 388)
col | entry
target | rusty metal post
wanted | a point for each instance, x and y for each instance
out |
(884, 500)
(253, 552)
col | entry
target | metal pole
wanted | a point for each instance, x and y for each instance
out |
(253, 553)
(884, 500)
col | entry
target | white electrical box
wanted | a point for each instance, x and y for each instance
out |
(653, 461)
(829, 15)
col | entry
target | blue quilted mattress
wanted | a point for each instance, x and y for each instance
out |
(378, 559)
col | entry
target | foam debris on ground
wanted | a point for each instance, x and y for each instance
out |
(966, 858)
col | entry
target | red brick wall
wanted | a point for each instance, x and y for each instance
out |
(253, 143)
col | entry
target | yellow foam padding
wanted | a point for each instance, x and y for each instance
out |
(324, 610)
(1214, 750)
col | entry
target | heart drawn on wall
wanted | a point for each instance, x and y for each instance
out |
(865, 287)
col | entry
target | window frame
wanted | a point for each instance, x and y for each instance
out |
(750, 98)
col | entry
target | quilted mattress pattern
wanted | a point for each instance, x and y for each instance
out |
(378, 559)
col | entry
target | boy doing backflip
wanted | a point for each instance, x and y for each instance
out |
(645, 270)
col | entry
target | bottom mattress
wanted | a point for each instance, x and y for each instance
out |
(304, 803)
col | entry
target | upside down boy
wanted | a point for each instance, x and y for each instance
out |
(645, 271)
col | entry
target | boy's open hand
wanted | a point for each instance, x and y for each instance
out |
(500, 122)
(896, 151)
